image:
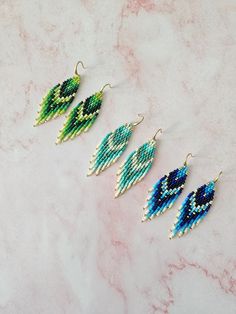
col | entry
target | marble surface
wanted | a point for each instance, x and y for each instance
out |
(66, 245)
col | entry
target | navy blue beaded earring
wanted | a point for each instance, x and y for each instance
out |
(194, 208)
(166, 191)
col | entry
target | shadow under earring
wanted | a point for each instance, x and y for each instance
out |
(82, 117)
(136, 166)
(166, 191)
(59, 98)
(112, 147)
(194, 208)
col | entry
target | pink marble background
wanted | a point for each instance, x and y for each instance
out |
(66, 245)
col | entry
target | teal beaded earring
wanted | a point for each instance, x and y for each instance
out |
(112, 147)
(136, 166)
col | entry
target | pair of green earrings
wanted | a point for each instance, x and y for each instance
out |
(58, 100)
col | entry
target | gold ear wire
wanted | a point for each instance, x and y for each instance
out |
(135, 123)
(219, 175)
(187, 157)
(155, 135)
(76, 67)
(104, 86)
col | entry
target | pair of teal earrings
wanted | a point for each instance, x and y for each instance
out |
(58, 100)
(135, 167)
(164, 193)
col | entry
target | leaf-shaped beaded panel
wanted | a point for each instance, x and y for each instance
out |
(58, 100)
(165, 192)
(136, 166)
(81, 118)
(193, 210)
(110, 149)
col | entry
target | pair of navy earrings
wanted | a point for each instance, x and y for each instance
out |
(164, 193)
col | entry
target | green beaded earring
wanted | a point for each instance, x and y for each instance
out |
(59, 98)
(82, 117)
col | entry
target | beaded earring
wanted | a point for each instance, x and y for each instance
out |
(59, 98)
(112, 147)
(194, 208)
(136, 166)
(166, 191)
(82, 117)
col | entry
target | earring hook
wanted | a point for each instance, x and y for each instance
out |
(108, 84)
(187, 157)
(139, 121)
(219, 175)
(76, 67)
(155, 135)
